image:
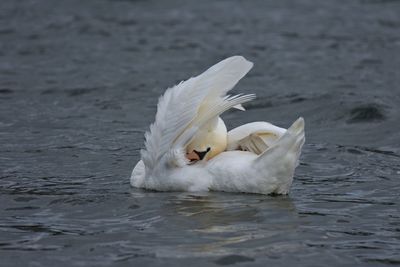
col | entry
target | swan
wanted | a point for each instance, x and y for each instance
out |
(188, 147)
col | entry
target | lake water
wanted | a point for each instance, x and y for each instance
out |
(79, 82)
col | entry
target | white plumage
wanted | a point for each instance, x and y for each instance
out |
(262, 157)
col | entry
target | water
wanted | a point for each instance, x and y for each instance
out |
(79, 83)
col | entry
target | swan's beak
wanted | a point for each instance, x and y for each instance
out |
(197, 155)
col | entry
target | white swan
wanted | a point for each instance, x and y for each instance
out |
(256, 157)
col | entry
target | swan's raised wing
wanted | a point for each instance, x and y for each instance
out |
(186, 107)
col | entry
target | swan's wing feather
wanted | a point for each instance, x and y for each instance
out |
(184, 108)
(253, 143)
(291, 141)
(239, 107)
(212, 111)
(174, 111)
(227, 74)
(255, 137)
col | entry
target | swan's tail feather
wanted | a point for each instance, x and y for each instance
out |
(284, 155)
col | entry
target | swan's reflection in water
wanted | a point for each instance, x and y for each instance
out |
(214, 224)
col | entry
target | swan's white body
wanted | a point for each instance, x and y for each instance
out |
(262, 157)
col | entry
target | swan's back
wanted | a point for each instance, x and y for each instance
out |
(270, 172)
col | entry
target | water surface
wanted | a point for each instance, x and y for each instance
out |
(79, 82)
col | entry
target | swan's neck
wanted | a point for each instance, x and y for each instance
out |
(212, 125)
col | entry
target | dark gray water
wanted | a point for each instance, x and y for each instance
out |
(79, 81)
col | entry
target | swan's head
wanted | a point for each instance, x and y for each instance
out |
(209, 142)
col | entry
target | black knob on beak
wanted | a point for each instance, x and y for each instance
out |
(202, 154)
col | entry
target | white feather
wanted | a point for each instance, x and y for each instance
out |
(240, 107)
(255, 137)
